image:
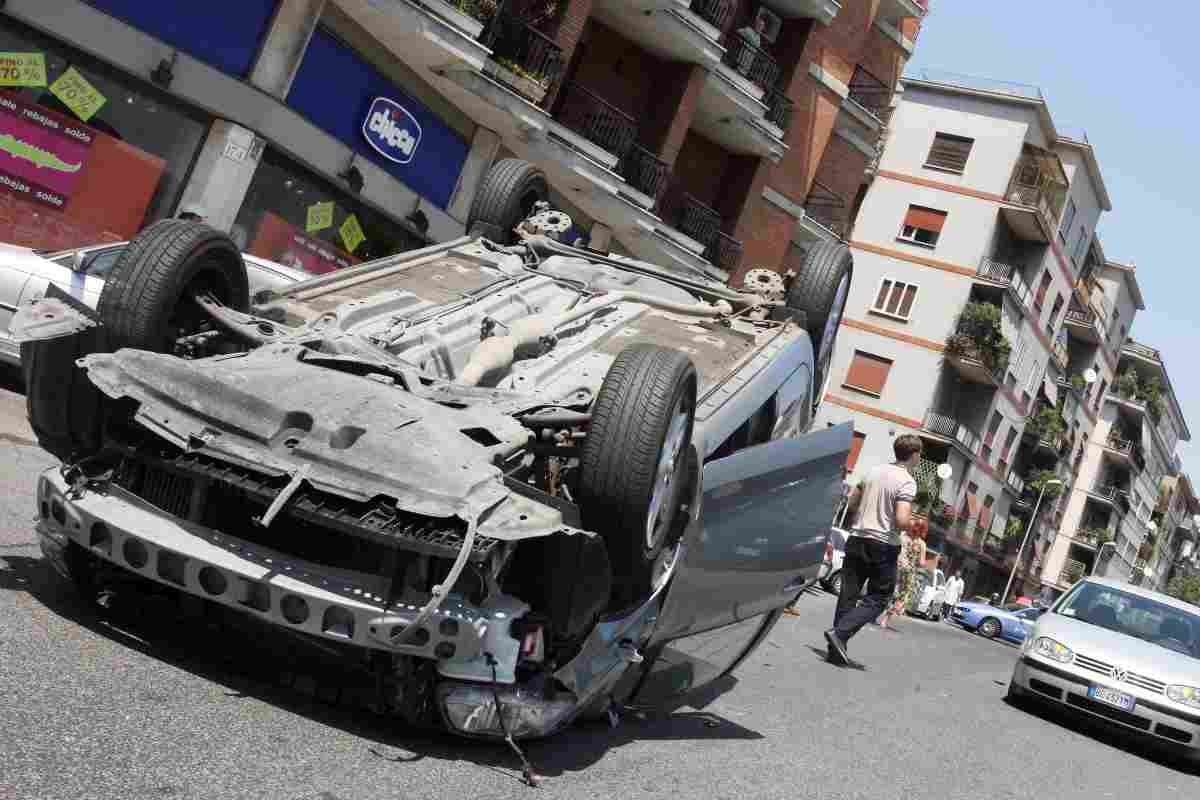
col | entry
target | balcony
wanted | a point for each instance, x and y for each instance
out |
(717, 13)
(750, 62)
(827, 209)
(1072, 573)
(597, 120)
(868, 94)
(670, 29)
(823, 11)
(703, 224)
(1110, 493)
(523, 58)
(780, 109)
(1035, 195)
(977, 349)
(1083, 323)
(1014, 483)
(966, 360)
(950, 429)
(996, 272)
(645, 172)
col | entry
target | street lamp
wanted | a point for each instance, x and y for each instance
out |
(1028, 528)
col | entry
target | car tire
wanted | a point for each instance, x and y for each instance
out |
(146, 300)
(989, 628)
(820, 289)
(65, 409)
(505, 197)
(635, 464)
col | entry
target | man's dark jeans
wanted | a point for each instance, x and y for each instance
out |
(871, 562)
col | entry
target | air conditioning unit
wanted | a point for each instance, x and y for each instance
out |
(773, 23)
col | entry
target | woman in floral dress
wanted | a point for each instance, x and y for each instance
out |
(912, 558)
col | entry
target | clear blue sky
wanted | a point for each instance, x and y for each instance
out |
(1127, 74)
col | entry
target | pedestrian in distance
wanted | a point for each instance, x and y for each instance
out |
(881, 506)
(954, 591)
(908, 567)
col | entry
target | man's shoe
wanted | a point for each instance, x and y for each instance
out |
(837, 649)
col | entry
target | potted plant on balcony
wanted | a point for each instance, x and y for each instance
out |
(1151, 395)
(529, 85)
(469, 16)
(978, 334)
(1078, 383)
(1127, 385)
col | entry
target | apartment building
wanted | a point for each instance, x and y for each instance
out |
(974, 242)
(1130, 498)
(713, 134)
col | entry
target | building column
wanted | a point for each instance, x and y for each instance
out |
(567, 35)
(222, 173)
(230, 154)
(283, 48)
(668, 121)
(485, 145)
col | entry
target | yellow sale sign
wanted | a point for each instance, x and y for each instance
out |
(320, 217)
(77, 94)
(352, 233)
(22, 69)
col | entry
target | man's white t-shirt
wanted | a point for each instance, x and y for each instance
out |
(882, 488)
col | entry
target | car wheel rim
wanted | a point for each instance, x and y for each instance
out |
(829, 334)
(666, 475)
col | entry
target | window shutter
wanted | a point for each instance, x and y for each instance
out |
(927, 218)
(855, 448)
(949, 152)
(868, 372)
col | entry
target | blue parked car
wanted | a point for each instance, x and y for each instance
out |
(1012, 622)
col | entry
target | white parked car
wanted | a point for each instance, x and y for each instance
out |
(931, 595)
(830, 573)
(25, 274)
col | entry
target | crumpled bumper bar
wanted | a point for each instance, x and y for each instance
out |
(121, 528)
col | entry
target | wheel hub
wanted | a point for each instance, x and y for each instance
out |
(660, 513)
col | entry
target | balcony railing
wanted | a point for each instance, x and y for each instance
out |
(531, 62)
(1016, 482)
(597, 120)
(1071, 573)
(949, 427)
(750, 62)
(779, 109)
(693, 218)
(1142, 350)
(997, 271)
(1079, 315)
(717, 13)
(1121, 445)
(725, 252)
(826, 208)
(645, 171)
(871, 93)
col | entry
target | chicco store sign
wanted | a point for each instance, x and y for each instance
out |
(393, 132)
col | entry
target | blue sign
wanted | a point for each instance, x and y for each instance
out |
(392, 131)
(224, 33)
(337, 90)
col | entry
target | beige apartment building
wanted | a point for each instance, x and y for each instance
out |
(986, 318)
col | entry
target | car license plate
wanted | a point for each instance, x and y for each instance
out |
(1112, 697)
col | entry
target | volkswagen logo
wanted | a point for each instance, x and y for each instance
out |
(1119, 674)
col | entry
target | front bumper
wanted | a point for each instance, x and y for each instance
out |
(1067, 686)
(123, 530)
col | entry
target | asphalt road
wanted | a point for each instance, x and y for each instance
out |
(144, 702)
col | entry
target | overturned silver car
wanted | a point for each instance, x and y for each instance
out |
(519, 480)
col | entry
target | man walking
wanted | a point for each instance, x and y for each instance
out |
(881, 506)
(954, 590)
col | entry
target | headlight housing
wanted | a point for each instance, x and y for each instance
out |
(1187, 695)
(472, 710)
(1054, 650)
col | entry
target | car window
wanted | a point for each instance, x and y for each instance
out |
(754, 431)
(101, 263)
(1134, 615)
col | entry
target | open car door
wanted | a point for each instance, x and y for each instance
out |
(764, 519)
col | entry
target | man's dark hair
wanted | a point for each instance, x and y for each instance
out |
(906, 445)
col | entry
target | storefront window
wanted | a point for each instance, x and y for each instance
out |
(292, 217)
(108, 155)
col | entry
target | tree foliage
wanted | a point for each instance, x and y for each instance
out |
(1186, 588)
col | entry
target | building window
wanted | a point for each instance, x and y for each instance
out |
(1009, 439)
(993, 426)
(1080, 246)
(868, 373)
(1068, 218)
(922, 225)
(273, 222)
(949, 152)
(1058, 304)
(1040, 297)
(895, 298)
(855, 448)
(985, 514)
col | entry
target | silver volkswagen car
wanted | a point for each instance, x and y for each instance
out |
(1120, 653)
